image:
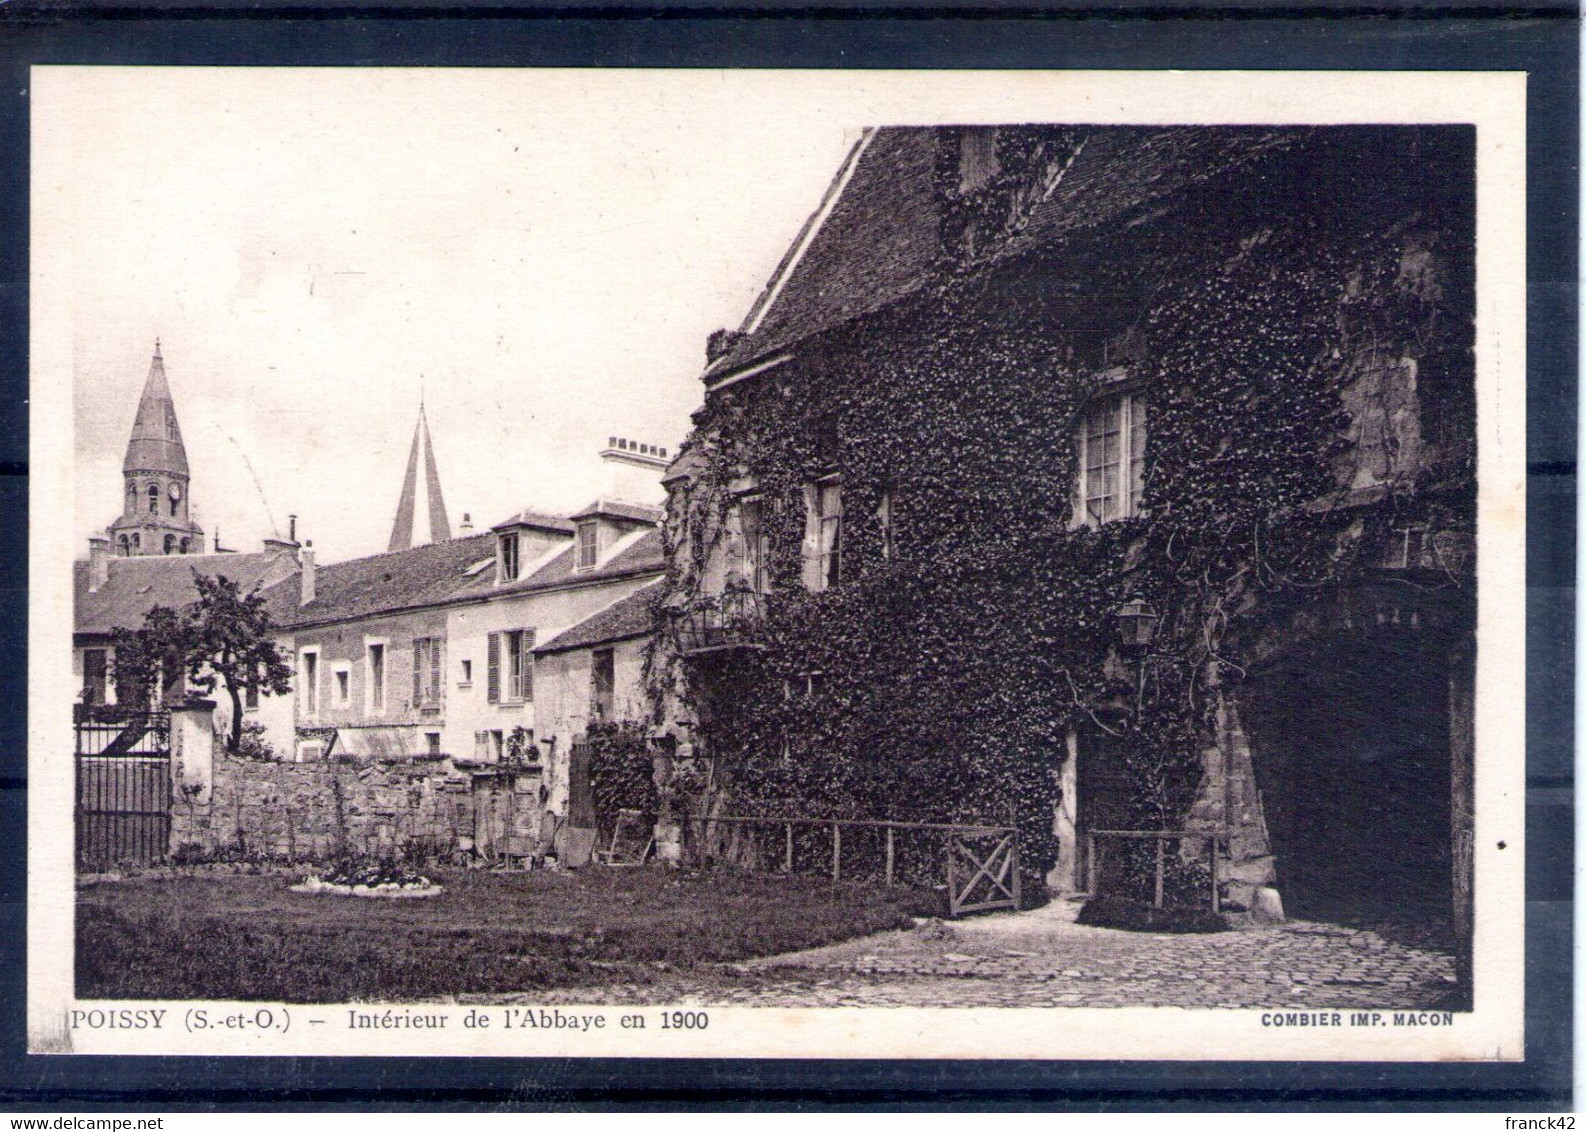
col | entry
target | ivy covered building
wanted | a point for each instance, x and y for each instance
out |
(1101, 479)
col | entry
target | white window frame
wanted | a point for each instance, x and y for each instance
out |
(829, 550)
(591, 527)
(376, 695)
(1131, 410)
(509, 561)
(307, 684)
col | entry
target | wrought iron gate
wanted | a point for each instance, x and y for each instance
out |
(123, 789)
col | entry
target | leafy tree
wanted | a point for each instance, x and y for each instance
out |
(223, 639)
(230, 644)
(149, 658)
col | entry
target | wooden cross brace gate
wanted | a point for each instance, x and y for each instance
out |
(982, 870)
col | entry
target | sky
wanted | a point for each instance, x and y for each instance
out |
(538, 255)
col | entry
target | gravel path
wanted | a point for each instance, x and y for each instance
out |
(1043, 958)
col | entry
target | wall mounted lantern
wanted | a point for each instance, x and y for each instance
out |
(1137, 623)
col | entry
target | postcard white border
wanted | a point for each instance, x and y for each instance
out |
(1493, 102)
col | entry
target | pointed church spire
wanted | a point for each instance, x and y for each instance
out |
(156, 444)
(440, 529)
(156, 516)
(402, 529)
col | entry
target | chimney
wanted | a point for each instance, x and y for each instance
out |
(468, 524)
(306, 559)
(98, 563)
(720, 343)
(291, 528)
(632, 471)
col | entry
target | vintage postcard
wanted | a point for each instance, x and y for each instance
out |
(777, 564)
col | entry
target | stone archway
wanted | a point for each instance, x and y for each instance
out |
(1355, 727)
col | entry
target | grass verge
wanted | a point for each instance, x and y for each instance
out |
(248, 937)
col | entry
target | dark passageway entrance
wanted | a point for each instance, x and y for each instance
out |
(1352, 759)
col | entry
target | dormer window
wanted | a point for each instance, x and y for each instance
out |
(1111, 446)
(588, 545)
(508, 545)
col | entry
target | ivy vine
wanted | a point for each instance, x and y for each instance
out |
(942, 682)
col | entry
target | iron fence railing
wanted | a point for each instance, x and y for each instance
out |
(730, 620)
(123, 733)
(124, 790)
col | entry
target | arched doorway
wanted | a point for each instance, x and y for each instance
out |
(1352, 732)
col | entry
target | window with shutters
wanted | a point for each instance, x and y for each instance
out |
(426, 672)
(603, 685)
(510, 657)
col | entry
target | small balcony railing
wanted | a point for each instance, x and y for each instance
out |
(731, 620)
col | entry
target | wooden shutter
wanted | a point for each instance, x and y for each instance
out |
(493, 663)
(418, 672)
(435, 670)
(528, 664)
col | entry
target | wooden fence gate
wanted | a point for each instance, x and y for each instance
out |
(982, 861)
(123, 790)
(982, 870)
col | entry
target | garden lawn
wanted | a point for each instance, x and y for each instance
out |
(233, 936)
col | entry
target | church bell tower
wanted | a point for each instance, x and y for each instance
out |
(154, 517)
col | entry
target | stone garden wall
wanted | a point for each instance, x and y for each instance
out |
(257, 809)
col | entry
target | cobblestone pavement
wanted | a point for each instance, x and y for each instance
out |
(1043, 958)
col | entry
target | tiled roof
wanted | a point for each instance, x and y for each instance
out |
(644, 553)
(878, 243)
(399, 579)
(882, 239)
(535, 519)
(137, 585)
(632, 616)
(618, 510)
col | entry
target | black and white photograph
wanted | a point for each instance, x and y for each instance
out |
(777, 564)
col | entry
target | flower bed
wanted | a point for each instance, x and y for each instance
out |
(378, 879)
